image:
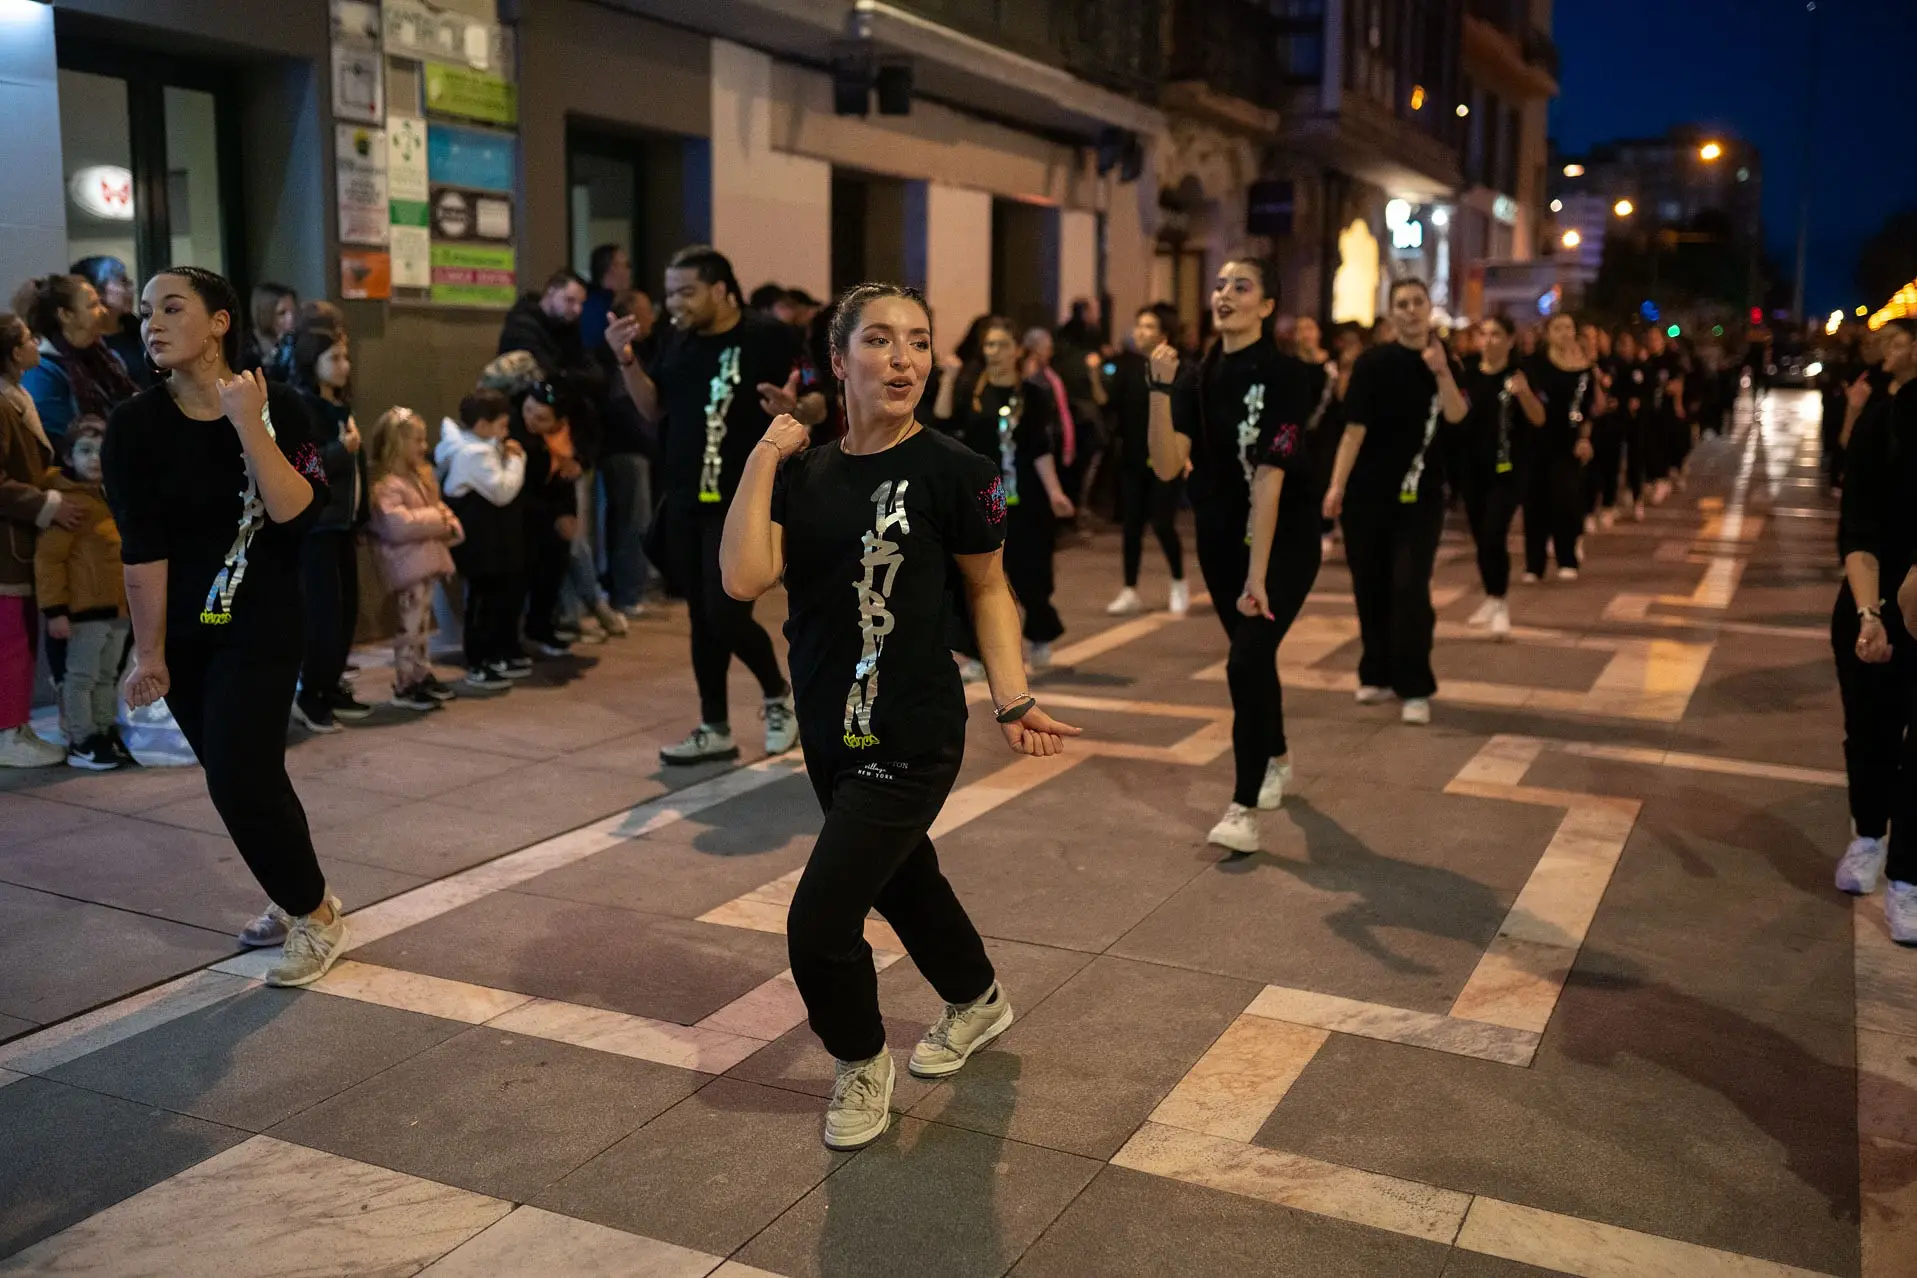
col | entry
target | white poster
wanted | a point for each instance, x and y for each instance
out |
(356, 22)
(406, 159)
(357, 90)
(359, 166)
(412, 250)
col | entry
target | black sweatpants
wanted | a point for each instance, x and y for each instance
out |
(1145, 498)
(1491, 503)
(1553, 511)
(1877, 749)
(1391, 548)
(722, 627)
(874, 853)
(1251, 671)
(493, 604)
(548, 556)
(1031, 532)
(231, 701)
(329, 568)
(1600, 477)
(1637, 461)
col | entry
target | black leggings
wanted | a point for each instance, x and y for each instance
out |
(873, 853)
(231, 702)
(1031, 530)
(548, 555)
(1391, 548)
(1553, 511)
(1877, 740)
(493, 605)
(1251, 671)
(1145, 498)
(1491, 502)
(1601, 476)
(722, 627)
(329, 565)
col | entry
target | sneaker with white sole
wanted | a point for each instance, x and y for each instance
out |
(1126, 604)
(1417, 711)
(487, 677)
(861, 1106)
(1567, 574)
(268, 929)
(94, 754)
(1501, 620)
(1271, 794)
(707, 743)
(1237, 830)
(610, 618)
(1482, 617)
(1530, 579)
(315, 716)
(1900, 911)
(963, 1030)
(1038, 657)
(1178, 603)
(590, 632)
(632, 612)
(1862, 866)
(781, 724)
(1370, 694)
(311, 948)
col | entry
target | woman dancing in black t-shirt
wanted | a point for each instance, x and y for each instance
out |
(213, 477)
(866, 532)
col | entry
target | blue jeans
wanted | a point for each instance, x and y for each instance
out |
(627, 479)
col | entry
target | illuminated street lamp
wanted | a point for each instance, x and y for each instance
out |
(1572, 239)
(1862, 311)
(1710, 151)
(1574, 170)
(1624, 208)
(1557, 206)
(1463, 110)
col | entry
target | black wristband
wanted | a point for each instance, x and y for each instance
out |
(1163, 388)
(1015, 709)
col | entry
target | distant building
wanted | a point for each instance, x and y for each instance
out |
(1511, 70)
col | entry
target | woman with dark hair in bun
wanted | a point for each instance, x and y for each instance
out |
(867, 532)
(213, 477)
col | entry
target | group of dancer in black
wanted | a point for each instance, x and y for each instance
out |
(915, 549)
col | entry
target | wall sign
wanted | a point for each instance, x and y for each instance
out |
(474, 275)
(475, 158)
(365, 274)
(472, 95)
(104, 191)
(359, 175)
(459, 214)
(416, 30)
(358, 92)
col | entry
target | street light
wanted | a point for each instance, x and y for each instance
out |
(1572, 239)
(1463, 110)
(1557, 206)
(1624, 208)
(1574, 170)
(1709, 152)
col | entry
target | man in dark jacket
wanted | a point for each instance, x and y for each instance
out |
(546, 324)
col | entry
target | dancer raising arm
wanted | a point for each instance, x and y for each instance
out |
(1240, 423)
(865, 532)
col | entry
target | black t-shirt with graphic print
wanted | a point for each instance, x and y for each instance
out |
(1244, 410)
(1394, 397)
(695, 370)
(869, 542)
(1495, 436)
(1561, 390)
(1029, 412)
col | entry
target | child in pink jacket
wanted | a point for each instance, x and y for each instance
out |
(414, 534)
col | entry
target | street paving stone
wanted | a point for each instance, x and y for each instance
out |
(1693, 1103)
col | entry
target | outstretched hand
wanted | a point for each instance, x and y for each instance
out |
(780, 399)
(1037, 734)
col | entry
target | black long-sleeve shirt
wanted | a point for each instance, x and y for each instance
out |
(1878, 515)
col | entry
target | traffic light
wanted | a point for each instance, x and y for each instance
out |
(1757, 315)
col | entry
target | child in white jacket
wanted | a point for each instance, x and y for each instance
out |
(481, 474)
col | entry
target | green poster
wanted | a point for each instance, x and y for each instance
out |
(471, 95)
(473, 275)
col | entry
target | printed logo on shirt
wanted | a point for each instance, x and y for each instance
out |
(881, 562)
(992, 498)
(725, 384)
(1284, 442)
(306, 460)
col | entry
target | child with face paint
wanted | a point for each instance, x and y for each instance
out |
(82, 591)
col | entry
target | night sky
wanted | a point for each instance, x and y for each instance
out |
(1633, 68)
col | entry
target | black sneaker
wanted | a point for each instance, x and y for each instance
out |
(95, 754)
(487, 677)
(514, 667)
(120, 749)
(413, 698)
(314, 714)
(438, 689)
(349, 707)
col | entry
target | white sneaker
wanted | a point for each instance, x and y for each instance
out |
(268, 929)
(1370, 694)
(1567, 574)
(1482, 617)
(703, 744)
(1501, 620)
(971, 670)
(311, 948)
(963, 1030)
(1529, 579)
(1417, 711)
(1038, 657)
(1637, 511)
(1271, 794)
(1608, 517)
(1900, 911)
(610, 617)
(590, 631)
(21, 747)
(781, 724)
(861, 1106)
(1862, 866)
(632, 612)
(1180, 601)
(1590, 523)
(1237, 830)
(1125, 605)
